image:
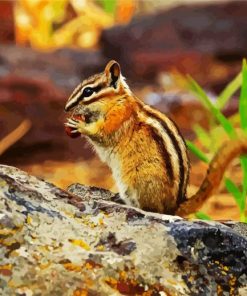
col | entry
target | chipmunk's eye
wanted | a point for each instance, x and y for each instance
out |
(87, 92)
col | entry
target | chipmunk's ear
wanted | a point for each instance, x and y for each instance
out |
(113, 72)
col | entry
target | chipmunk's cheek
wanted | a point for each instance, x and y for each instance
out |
(94, 128)
(91, 116)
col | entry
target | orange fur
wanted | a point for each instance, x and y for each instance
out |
(116, 117)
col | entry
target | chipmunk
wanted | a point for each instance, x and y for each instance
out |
(143, 147)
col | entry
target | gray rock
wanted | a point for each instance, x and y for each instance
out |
(57, 243)
(165, 40)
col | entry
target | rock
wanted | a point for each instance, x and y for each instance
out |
(95, 193)
(190, 38)
(56, 243)
(7, 28)
(65, 68)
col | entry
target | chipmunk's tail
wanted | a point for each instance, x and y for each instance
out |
(216, 169)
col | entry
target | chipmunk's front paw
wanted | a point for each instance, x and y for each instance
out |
(74, 127)
(74, 124)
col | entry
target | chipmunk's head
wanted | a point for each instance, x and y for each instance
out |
(98, 90)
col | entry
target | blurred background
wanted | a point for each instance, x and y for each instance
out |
(49, 46)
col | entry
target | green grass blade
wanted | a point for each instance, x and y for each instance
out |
(109, 5)
(202, 216)
(199, 92)
(229, 91)
(243, 99)
(202, 135)
(225, 123)
(236, 193)
(243, 161)
(192, 147)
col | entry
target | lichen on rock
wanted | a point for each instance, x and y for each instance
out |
(55, 242)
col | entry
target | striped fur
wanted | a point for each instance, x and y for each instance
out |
(179, 148)
(142, 146)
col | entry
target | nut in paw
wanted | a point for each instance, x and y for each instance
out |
(72, 126)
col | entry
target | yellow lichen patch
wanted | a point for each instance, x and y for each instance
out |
(123, 275)
(106, 215)
(89, 266)
(72, 267)
(86, 222)
(37, 256)
(226, 268)
(80, 292)
(6, 266)
(232, 280)
(8, 241)
(88, 282)
(171, 281)
(232, 291)
(6, 269)
(232, 283)
(2, 183)
(29, 219)
(100, 248)
(6, 231)
(44, 266)
(11, 283)
(223, 268)
(219, 290)
(111, 281)
(69, 214)
(14, 254)
(33, 235)
(191, 279)
(44, 248)
(80, 243)
(101, 221)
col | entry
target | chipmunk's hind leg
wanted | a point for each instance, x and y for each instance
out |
(157, 196)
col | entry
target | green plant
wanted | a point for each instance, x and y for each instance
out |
(227, 125)
(109, 5)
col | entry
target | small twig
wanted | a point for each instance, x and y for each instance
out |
(15, 135)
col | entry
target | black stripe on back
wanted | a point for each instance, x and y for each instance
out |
(181, 193)
(187, 160)
(163, 150)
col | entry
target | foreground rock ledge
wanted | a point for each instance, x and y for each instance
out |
(55, 243)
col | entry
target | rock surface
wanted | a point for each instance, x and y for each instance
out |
(56, 243)
(189, 38)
